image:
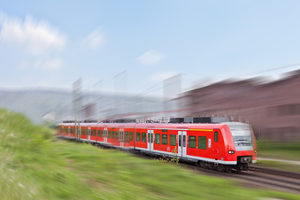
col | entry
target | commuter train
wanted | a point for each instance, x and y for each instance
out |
(222, 146)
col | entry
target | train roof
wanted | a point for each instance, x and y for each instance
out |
(158, 125)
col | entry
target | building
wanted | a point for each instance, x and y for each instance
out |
(273, 109)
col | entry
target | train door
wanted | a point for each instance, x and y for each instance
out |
(150, 139)
(89, 133)
(216, 144)
(75, 131)
(182, 143)
(121, 138)
(78, 132)
(105, 135)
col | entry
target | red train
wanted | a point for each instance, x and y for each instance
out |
(224, 146)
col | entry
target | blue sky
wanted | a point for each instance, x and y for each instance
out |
(52, 43)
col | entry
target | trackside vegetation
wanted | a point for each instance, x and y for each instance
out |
(281, 150)
(36, 165)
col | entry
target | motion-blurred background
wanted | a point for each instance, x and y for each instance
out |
(103, 60)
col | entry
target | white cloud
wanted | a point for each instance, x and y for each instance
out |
(43, 63)
(94, 40)
(32, 36)
(150, 57)
(162, 76)
(37, 43)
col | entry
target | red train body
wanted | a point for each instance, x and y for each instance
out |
(229, 145)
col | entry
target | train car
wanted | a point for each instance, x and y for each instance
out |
(222, 145)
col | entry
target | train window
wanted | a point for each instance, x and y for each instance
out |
(101, 133)
(173, 140)
(164, 139)
(216, 136)
(109, 134)
(143, 137)
(157, 138)
(202, 140)
(117, 133)
(126, 136)
(179, 143)
(131, 136)
(184, 141)
(138, 136)
(192, 141)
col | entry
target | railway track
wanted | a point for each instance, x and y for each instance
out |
(258, 177)
(272, 179)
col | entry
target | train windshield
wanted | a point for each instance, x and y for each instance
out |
(242, 136)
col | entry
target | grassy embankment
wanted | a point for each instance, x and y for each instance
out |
(284, 150)
(33, 165)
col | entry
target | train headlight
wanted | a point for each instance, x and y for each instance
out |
(231, 152)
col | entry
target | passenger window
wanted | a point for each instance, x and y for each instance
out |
(173, 140)
(130, 136)
(179, 143)
(184, 141)
(192, 141)
(202, 140)
(164, 139)
(126, 136)
(216, 136)
(143, 137)
(138, 137)
(157, 138)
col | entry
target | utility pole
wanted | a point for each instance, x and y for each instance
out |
(77, 106)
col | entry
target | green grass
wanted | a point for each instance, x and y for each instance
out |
(283, 150)
(34, 165)
(279, 165)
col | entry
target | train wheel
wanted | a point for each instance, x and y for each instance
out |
(221, 168)
(227, 169)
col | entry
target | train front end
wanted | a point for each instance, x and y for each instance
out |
(244, 144)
